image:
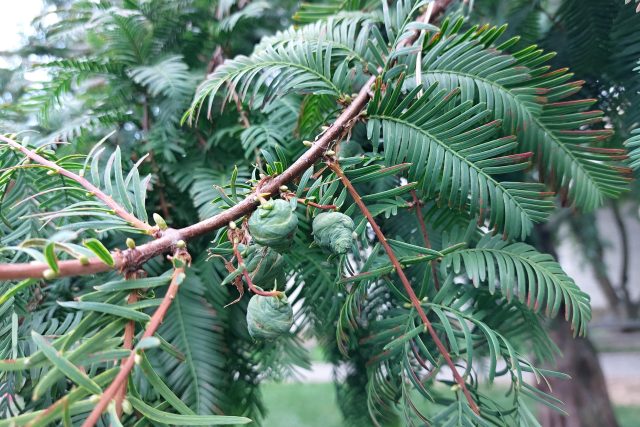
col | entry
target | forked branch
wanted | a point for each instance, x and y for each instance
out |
(131, 259)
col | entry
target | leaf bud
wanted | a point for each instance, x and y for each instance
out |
(49, 274)
(126, 407)
(131, 244)
(160, 222)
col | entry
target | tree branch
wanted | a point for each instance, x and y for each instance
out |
(131, 259)
(154, 324)
(106, 199)
(417, 205)
(235, 240)
(415, 302)
(129, 332)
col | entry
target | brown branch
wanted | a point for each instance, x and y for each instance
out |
(131, 259)
(154, 323)
(415, 302)
(106, 199)
(129, 332)
(317, 205)
(245, 273)
(417, 204)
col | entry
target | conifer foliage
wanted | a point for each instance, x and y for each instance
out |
(206, 190)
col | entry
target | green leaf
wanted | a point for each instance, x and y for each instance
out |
(50, 256)
(123, 195)
(184, 420)
(455, 155)
(15, 289)
(159, 386)
(97, 342)
(126, 285)
(521, 272)
(302, 68)
(99, 249)
(633, 145)
(102, 307)
(70, 370)
(536, 105)
(147, 343)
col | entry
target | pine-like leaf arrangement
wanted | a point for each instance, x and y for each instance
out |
(535, 104)
(520, 272)
(430, 146)
(455, 153)
(633, 145)
(295, 68)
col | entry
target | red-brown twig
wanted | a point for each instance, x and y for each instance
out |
(129, 332)
(415, 302)
(152, 327)
(131, 259)
(245, 273)
(417, 205)
(106, 199)
(316, 205)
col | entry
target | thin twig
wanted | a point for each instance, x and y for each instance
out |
(132, 259)
(417, 204)
(154, 324)
(105, 198)
(415, 302)
(247, 278)
(129, 332)
(317, 205)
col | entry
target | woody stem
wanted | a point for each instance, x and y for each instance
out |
(415, 302)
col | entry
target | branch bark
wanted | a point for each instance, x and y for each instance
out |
(131, 259)
(417, 205)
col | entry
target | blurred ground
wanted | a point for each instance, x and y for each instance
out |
(621, 369)
(314, 405)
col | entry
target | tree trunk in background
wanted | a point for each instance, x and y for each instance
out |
(585, 396)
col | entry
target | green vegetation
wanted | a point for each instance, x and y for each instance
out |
(177, 145)
(315, 405)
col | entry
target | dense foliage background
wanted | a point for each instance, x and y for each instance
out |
(506, 127)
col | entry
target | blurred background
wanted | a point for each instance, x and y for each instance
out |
(600, 250)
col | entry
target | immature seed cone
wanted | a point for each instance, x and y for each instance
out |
(265, 266)
(268, 317)
(333, 231)
(274, 225)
